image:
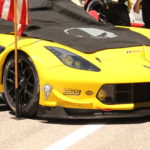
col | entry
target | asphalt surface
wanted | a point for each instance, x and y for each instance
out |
(40, 134)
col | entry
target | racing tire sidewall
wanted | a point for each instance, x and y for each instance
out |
(32, 107)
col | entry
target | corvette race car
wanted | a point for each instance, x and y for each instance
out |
(71, 66)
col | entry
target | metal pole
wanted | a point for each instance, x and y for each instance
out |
(16, 62)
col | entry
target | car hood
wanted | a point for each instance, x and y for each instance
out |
(67, 24)
(125, 65)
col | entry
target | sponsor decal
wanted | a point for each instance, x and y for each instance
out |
(75, 92)
(133, 51)
(89, 92)
(94, 33)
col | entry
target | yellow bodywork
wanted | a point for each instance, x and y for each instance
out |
(124, 65)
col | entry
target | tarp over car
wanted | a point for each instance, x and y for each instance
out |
(64, 22)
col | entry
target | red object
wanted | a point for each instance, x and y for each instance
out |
(86, 1)
(137, 24)
(7, 12)
(21, 28)
(104, 109)
(94, 14)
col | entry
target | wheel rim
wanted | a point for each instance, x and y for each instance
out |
(27, 81)
(98, 7)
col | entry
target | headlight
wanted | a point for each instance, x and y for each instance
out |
(106, 94)
(102, 94)
(72, 60)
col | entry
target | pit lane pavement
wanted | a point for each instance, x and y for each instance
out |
(42, 134)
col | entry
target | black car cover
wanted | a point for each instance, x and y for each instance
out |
(64, 22)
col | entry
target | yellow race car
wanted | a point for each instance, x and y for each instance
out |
(71, 66)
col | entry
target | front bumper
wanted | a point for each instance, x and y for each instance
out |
(63, 113)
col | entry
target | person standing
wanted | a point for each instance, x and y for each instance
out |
(145, 6)
(117, 12)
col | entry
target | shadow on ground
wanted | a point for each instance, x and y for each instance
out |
(114, 121)
(3, 107)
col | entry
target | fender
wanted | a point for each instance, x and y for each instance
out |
(1, 49)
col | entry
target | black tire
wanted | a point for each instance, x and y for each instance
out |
(28, 85)
(98, 6)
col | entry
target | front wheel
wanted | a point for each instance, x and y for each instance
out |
(28, 85)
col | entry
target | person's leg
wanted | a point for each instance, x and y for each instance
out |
(123, 16)
(146, 12)
(118, 15)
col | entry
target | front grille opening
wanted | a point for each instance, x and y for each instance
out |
(123, 87)
(127, 93)
(123, 93)
(123, 97)
(142, 93)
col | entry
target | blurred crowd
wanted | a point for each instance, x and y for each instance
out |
(117, 11)
(79, 2)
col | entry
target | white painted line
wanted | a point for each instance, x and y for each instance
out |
(74, 137)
